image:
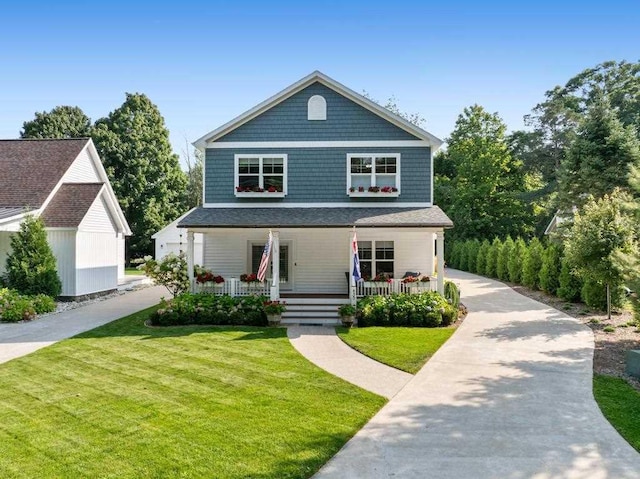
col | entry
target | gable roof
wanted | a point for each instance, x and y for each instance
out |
(31, 169)
(319, 77)
(70, 204)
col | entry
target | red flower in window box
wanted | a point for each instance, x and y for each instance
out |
(272, 189)
(361, 189)
(249, 278)
(374, 189)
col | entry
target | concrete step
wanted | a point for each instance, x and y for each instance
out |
(315, 301)
(311, 321)
(310, 314)
(313, 307)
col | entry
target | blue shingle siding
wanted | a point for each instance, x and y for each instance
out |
(318, 175)
(346, 121)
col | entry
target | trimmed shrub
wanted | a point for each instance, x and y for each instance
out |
(472, 259)
(452, 294)
(492, 258)
(532, 264)
(481, 260)
(31, 266)
(569, 284)
(170, 272)
(463, 261)
(456, 252)
(428, 309)
(502, 270)
(16, 307)
(203, 308)
(594, 295)
(515, 261)
(549, 277)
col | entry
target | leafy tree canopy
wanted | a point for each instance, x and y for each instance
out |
(61, 122)
(133, 142)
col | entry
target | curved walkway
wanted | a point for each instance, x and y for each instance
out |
(323, 347)
(20, 339)
(509, 396)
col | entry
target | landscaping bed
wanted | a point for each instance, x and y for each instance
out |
(613, 338)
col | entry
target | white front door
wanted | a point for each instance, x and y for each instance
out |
(285, 263)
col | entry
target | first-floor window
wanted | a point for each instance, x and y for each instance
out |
(257, 173)
(376, 257)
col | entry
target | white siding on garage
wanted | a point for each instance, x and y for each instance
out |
(63, 245)
(319, 257)
(121, 248)
(96, 262)
(82, 170)
(98, 218)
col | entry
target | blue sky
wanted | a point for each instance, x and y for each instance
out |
(204, 63)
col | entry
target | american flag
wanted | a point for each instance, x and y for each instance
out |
(264, 262)
(356, 258)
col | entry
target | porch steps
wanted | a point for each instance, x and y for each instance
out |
(306, 310)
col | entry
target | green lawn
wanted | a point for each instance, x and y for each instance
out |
(133, 272)
(620, 404)
(403, 348)
(127, 401)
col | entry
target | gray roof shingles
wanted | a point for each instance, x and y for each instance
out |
(316, 217)
(30, 169)
(70, 204)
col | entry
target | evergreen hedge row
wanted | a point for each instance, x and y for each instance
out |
(531, 264)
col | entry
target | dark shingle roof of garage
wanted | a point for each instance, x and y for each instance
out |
(315, 217)
(70, 204)
(30, 169)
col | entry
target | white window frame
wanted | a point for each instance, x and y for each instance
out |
(374, 260)
(261, 157)
(373, 156)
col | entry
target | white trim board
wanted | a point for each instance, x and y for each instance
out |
(319, 144)
(300, 85)
(317, 205)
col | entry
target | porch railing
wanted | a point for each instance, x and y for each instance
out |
(235, 287)
(372, 288)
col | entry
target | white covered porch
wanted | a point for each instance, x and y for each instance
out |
(318, 261)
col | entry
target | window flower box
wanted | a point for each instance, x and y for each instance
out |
(257, 192)
(374, 192)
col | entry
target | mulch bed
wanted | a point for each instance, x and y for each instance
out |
(611, 345)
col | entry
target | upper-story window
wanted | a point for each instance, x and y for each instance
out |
(373, 174)
(317, 108)
(263, 176)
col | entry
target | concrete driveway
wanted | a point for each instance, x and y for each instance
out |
(20, 339)
(509, 396)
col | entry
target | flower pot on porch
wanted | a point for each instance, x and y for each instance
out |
(347, 321)
(274, 319)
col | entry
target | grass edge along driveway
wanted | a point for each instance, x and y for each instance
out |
(407, 349)
(125, 400)
(620, 404)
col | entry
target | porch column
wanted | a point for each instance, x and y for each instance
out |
(352, 281)
(275, 266)
(190, 254)
(440, 258)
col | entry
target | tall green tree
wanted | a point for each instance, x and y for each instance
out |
(487, 180)
(31, 265)
(133, 142)
(532, 263)
(601, 231)
(502, 266)
(195, 165)
(516, 260)
(600, 157)
(61, 122)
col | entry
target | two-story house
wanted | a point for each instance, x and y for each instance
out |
(313, 164)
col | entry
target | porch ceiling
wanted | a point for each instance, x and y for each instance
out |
(315, 217)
